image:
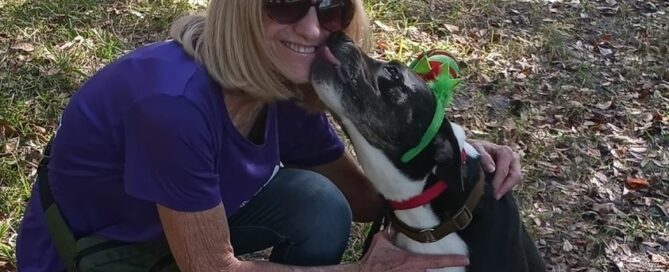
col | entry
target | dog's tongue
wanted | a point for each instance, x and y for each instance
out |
(325, 54)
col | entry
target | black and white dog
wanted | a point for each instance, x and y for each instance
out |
(385, 108)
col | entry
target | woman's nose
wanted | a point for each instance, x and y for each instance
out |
(309, 27)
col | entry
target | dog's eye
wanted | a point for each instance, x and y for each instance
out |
(393, 72)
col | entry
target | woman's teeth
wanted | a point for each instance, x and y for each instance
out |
(299, 48)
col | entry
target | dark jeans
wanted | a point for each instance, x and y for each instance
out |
(301, 214)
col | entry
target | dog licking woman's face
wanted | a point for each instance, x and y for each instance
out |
(387, 103)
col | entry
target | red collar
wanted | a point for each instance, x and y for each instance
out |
(426, 196)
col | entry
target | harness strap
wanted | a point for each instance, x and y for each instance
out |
(61, 235)
(459, 221)
(381, 221)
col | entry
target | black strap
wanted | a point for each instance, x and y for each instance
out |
(42, 178)
(382, 220)
(61, 235)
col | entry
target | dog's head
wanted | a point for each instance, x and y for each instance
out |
(387, 103)
(385, 108)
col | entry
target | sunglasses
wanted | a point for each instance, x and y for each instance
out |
(333, 15)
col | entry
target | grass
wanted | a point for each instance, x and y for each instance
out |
(538, 77)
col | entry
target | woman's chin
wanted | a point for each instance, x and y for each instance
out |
(298, 72)
(298, 78)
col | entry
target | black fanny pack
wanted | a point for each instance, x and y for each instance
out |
(94, 252)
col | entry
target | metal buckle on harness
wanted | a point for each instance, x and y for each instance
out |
(429, 237)
(468, 218)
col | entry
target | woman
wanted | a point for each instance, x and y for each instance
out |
(205, 141)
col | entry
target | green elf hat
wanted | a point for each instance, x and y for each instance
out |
(441, 73)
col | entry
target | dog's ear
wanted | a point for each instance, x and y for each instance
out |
(443, 152)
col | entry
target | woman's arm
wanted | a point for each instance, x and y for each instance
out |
(365, 201)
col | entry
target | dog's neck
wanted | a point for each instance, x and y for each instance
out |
(394, 183)
(451, 201)
(444, 206)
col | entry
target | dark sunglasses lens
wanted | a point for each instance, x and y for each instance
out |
(287, 11)
(335, 15)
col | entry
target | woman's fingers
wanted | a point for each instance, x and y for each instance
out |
(513, 178)
(503, 156)
(487, 161)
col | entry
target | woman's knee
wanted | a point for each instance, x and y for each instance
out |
(310, 194)
(321, 214)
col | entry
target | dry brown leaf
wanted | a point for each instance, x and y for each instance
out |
(617, 164)
(567, 246)
(665, 208)
(638, 149)
(11, 145)
(646, 117)
(6, 129)
(452, 28)
(604, 51)
(604, 105)
(637, 183)
(383, 26)
(24, 47)
(65, 46)
(52, 71)
(601, 176)
(659, 259)
(604, 208)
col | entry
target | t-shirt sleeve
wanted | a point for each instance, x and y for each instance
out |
(308, 139)
(169, 154)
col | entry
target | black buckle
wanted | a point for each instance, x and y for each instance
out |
(468, 218)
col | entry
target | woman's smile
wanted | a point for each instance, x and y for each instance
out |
(298, 48)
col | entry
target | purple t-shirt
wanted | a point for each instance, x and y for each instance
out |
(152, 128)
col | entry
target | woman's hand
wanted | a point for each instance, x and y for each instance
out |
(503, 161)
(384, 256)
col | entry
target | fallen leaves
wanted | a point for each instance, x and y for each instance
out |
(636, 183)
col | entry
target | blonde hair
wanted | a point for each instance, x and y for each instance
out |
(229, 42)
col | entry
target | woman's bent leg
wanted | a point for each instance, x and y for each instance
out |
(301, 214)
